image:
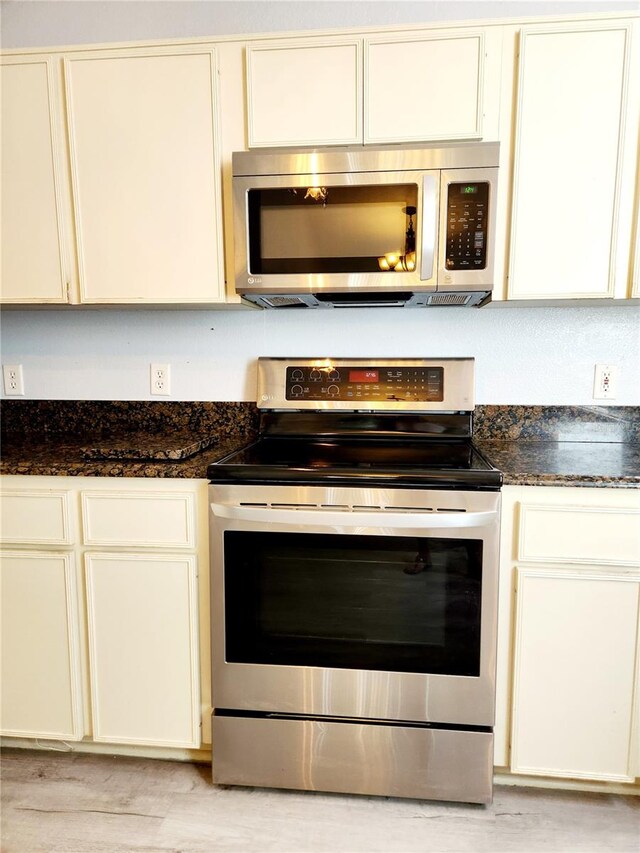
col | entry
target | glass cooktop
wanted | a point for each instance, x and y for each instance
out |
(309, 460)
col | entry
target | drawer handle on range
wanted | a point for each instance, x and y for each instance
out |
(344, 518)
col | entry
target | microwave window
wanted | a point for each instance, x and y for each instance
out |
(322, 229)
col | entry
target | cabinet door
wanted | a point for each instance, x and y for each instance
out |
(568, 170)
(575, 674)
(34, 266)
(305, 92)
(143, 649)
(41, 684)
(145, 173)
(425, 88)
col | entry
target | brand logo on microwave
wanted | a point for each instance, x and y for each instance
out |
(254, 280)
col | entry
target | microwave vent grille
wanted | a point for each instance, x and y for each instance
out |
(449, 299)
(283, 301)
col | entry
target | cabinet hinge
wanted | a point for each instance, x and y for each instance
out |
(68, 288)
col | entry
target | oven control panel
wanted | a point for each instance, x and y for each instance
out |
(368, 384)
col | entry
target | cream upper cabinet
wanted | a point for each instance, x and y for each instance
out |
(432, 86)
(35, 264)
(575, 161)
(438, 85)
(143, 142)
(304, 92)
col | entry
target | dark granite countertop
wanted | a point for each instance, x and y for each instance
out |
(565, 463)
(532, 446)
(56, 437)
(66, 458)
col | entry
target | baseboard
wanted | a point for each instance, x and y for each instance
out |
(502, 776)
(160, 752)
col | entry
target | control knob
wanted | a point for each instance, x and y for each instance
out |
(333, 390)
(334, 376)
(315, 376)
(297, 375)
(296, 390)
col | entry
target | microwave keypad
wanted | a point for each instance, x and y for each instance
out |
(467, 213)
(362, 385)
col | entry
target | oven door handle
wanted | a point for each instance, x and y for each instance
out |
(349, 518)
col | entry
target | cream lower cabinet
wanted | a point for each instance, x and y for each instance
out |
(103, 580)
(143, 648)
(568, 652)
(41, 693)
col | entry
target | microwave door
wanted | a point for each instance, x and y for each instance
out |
(344, 232)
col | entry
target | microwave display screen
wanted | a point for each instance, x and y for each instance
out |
(333, 229)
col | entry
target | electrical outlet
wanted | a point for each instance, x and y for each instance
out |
(13, 381)
(605, 381)
(161, 379)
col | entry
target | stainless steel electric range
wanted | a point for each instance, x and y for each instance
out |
(354, 559)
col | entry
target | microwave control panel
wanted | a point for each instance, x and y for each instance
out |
(366, 384)
(467, 216)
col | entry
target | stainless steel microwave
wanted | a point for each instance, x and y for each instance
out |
(378, 226)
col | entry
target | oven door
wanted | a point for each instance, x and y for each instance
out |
(364, 603)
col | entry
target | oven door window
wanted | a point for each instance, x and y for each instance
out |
(334, 229)
(397, 603)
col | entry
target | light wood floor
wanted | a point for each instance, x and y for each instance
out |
(86, 803)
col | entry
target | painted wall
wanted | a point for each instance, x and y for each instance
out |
(524, 355)
(32, 23)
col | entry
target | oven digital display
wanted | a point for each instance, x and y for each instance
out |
(364, 376)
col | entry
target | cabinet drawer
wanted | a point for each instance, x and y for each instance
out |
(35, 518)
(140, 520)
(575, 534)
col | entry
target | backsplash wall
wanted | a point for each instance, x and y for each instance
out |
(528, 356)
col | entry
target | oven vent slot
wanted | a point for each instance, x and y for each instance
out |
(294, 506)
(409, 508)
(351, 507)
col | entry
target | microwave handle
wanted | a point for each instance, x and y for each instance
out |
(430, 196)
(348, 519)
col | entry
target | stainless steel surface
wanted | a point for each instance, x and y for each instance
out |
(372, 158)
(384, 760)
(459, 384)
(430, 167)
(357, 693)
(429, 227)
